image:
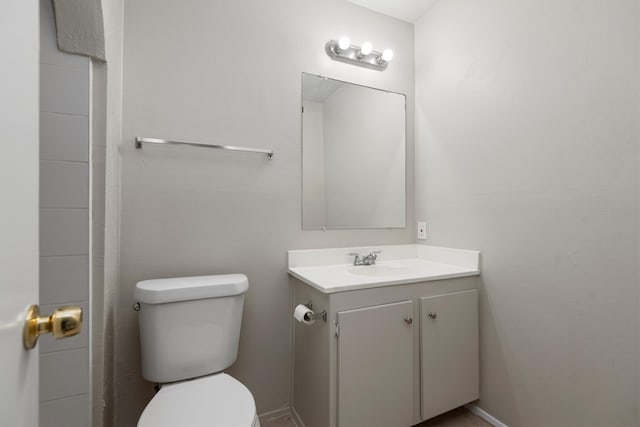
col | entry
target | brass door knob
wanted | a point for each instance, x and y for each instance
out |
(64, 322)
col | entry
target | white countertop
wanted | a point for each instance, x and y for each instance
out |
(332, 270)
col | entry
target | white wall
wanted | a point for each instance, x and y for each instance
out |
(527, 145)
(364, 158)
(230, 72)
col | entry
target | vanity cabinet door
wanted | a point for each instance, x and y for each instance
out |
(375, 366)
(449, 351)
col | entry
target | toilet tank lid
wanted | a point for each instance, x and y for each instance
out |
(159, 291)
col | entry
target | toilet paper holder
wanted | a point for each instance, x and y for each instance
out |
(316, 316)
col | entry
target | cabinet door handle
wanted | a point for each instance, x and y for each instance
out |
(408, 320)
(432, 315)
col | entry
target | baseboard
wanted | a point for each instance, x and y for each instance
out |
(275, 414)
(296, 417)
(485, 415)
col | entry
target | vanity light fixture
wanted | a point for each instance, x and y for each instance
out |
(343, 44)
(365, 56)
(365, 50)
(386, 56)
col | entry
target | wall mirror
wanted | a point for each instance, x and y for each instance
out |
(353, 156)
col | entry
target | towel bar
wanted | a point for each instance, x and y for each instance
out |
(140, 140)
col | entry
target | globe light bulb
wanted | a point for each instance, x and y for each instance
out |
(387, 55)
(366, 48)
(344, 43)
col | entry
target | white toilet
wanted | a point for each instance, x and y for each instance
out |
(189, 332)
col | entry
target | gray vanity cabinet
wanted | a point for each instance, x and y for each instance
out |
(380, 359)
(375, 365)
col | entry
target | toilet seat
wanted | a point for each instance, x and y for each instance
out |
(214, 400)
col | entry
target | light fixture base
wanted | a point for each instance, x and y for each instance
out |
(352, 55)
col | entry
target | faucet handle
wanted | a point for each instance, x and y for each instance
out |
(373, 256)
(356, 259)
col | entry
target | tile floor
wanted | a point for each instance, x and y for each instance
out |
(457, 418)
(284, 421)
(460, 417)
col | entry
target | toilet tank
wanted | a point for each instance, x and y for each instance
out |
(189, 326)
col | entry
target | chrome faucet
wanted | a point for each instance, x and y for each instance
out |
(365, 260)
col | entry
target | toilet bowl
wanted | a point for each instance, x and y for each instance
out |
(189, 333)
(215, 400)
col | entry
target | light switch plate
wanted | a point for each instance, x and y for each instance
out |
(422, 231)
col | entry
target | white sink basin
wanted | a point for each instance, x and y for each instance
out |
(332, 270)
(379, 270)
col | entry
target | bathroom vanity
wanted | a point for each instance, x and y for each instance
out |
(400, 340)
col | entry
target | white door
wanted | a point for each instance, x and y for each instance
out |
(375, 366)
(19, 105)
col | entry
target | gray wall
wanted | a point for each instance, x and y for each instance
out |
(527, 146)
(106, 130)
(230, 72)
(98, 208)
(64, 225)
